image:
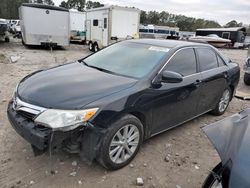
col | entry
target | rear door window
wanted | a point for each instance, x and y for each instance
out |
(183, 62)
(207, 59)
(220, 61)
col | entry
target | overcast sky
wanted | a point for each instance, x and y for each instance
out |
(222, 11)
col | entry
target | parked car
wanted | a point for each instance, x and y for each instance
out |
(13, 25)
(247, 69)
(104, 105)
(231, 138)
(4, 35)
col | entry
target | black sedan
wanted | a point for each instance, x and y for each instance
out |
(104, 106)
(231, 138)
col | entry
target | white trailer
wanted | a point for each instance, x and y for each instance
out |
(110, 24)
(77, 25)
(44, 25)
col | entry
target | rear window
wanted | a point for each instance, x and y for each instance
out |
(220, 61)
(207, 59)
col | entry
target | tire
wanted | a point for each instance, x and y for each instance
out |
(7, 39)
(223, 103)
(211, 180)
(117, 156)
(247, 79)
(95, 47)
(91, 46)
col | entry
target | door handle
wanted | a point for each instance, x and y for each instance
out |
(197, 83)
(225, 74)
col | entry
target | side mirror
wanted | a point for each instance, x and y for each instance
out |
(171, 77)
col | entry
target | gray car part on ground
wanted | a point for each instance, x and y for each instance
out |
(231, 139)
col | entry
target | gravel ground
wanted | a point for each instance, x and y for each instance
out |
(180, 157)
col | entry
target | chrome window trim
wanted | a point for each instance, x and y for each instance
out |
(171, 59)
(193, 47)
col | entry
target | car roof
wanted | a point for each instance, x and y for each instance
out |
(169, 43)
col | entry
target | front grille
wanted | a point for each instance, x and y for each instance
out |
(26, 115)
(42, 128)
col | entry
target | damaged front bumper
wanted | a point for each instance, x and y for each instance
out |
(87, 139)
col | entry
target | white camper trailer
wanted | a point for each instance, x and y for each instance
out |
(77, 26)
(107, 25)
(44, 25)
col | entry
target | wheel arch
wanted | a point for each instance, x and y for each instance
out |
(143, 120)
(232, 90)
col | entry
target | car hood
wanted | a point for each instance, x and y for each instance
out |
(231, 139)
(70, 86)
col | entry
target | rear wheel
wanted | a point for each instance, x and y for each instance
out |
(91, 46)
(223, 103)
(247, 79)
(96, 47)
(7, 39)
(121, 143)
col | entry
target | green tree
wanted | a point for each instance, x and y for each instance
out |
(164, 17)
(76, 4)
(143, 17)
(153, 17)
(49, 2)
(234, 23)
(46, 2)
(73, 4)
(9, 8)
(64, 4)
(93, 4)
(172, 20)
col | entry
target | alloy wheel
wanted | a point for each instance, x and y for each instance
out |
(216, 184)
(224, 101)
(124, 144)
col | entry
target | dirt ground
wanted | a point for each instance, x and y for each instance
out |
(189, 154)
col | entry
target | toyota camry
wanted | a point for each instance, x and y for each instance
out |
(105, 105)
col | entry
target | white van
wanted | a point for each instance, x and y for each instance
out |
(110, 24)
(44, 25)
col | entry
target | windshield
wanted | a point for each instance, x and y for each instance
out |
(127, 58)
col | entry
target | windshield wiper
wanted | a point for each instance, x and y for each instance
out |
(98, 68)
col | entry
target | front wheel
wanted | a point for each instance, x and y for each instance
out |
(223, 102)
(247, 79)
(121, 143)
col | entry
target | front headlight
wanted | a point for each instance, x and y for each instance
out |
(65, 119)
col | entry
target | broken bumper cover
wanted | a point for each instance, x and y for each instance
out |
(35, 135)
(38, 136)
(42, 138)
